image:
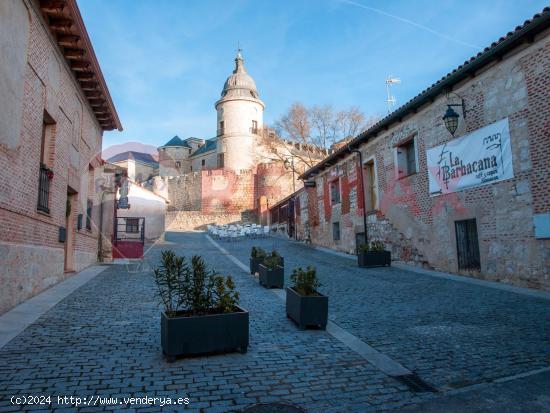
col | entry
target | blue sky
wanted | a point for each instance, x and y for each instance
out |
(165, 61)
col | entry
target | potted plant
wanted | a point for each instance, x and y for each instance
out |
(272, 273)
(257, 256)
(201, 312)
(304, 304)
(47, 171)
(280, 258)
(373, 255)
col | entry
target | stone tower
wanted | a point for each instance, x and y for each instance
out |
(174, 157)
(240, 117)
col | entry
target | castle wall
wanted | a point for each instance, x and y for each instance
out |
(275, 182)
(197, 220)
(227, 191)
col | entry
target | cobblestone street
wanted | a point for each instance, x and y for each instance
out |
(104, 338)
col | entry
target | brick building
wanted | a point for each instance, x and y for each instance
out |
(55, 107)
(476, 203)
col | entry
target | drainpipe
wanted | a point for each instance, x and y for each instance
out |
(358, 152)
(100, 238)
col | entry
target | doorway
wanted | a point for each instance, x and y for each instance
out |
(70, 212)
(370, 186)
(467, 245)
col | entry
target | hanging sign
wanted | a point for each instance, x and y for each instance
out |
(479, 158)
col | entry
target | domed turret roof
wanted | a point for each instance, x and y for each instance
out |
(239, 84)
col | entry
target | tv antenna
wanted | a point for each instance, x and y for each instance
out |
(390, 80)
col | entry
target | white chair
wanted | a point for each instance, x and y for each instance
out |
(222, 234)
(265, 231)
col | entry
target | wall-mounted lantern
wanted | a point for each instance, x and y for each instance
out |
(450, 118)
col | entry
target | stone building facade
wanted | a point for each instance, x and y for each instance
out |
(496, 229)
(58, 106)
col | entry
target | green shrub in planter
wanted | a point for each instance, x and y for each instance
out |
(281, 259)
(304, 304)
(272, 273)
(257, 256)
(373, 255)
(201, 311)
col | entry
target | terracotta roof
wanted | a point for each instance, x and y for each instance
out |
(67, 27)
(525, 32)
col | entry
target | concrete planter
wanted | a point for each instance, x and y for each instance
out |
(272, 278)
(374, 259)
(254, 264)
(212, 333)
(306, 311)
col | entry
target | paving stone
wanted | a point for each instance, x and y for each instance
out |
(104, 338)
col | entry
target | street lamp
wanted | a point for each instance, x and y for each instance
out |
(290, 165)
(451, 119)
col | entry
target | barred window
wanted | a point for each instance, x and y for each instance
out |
(132, 225)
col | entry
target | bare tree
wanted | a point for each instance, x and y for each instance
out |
(349, 123)
(295, 124)
(303, 136)
(323, 126)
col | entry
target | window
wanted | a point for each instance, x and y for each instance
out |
(132, 225)
(222, 127)
(89, 207)
(220, 160)
(406, 159)
(467, 244)
(178, 164)
(336, 231)
(203, 163)
(254, 126)
(90, 200)
(45, 173)
(335, 192)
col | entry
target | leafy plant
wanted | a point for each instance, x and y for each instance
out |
(169, 277)
(225, 293)
(274, 253)
(364, 248)
(305, 282)
(377, 246)
(271, 261)
(373, 247)
(192, 289)
(258, 252)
